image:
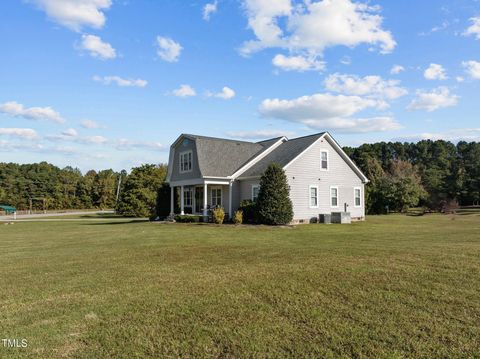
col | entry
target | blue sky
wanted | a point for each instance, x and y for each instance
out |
(105, 83)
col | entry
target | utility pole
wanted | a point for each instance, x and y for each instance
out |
(118, 188)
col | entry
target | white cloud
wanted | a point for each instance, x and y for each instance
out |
(126, 145)
(90, 124)
(97, 140)
(185, 91)
(209, 9)
(369, 85)
(472, 68)
(97, 48)
(435, 72)
(297, 63)
(260, 134)
(76, 14)
(396, 69)
(459, 79)
(23, 133)
(327, 111)
(107, 80)
(346, 60)
(313, 26)
(442, 26)
(70, 132)
(8, 146)
(33, 113)
(71, 135)
(168, 50)
(454, 135)
(227, 93)
(474, 29)
(434, 100)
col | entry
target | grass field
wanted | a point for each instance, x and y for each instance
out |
(393, 286)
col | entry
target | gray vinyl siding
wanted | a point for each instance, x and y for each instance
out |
(195, 173)
(305, 171)
(246, 188)
(235, 195)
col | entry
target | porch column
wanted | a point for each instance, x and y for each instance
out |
(230, 185)
(182, 212)
(205, 199)
(172, 195)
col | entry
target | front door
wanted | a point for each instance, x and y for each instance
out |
(198, 199)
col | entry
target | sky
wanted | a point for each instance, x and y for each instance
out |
(98, 84)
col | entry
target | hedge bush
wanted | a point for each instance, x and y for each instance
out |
(249, 210)
(218, 215)
(237, 217)
(187, 219)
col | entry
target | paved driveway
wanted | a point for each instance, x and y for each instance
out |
(28, 216)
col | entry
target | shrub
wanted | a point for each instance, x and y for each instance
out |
(248, 209)
(187, 219)
(238, 217)
(139, 195)
(218, 215)
(274, 204)
(162, 209)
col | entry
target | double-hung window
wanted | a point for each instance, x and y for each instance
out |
(216, 197)
(324, 160)
(313, 196)
(334, 196)
(187, 197)
(186, 161)
(357, 193)
(255, 192)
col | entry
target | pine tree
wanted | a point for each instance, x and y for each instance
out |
(274, 205)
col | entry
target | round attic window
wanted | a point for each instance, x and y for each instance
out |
(185, 142)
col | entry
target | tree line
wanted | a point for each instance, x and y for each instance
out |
(46, 186)
(433, 174)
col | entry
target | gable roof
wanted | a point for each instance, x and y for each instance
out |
(219, 157)
(283, 154)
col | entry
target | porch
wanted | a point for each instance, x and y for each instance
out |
(199, 198)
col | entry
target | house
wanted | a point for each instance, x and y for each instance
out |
(221, 172)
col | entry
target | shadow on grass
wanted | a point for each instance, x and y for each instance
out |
(468, 213)
(102, 215)
(415, 214)
(116, 222)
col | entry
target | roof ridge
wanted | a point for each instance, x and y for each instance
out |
(253, 143)
(218, 138)
(313, 134)
(271, 139)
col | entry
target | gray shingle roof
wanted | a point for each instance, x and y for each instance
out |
(218, 157)
(282, 155)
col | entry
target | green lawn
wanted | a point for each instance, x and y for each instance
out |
(393, 286)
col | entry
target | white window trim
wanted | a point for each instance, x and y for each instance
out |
(310, 196)
(338, 196)
(181, 154)
(221, 195)
(254, 186)
(354, 202)
(328, 160)
(188, 190)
